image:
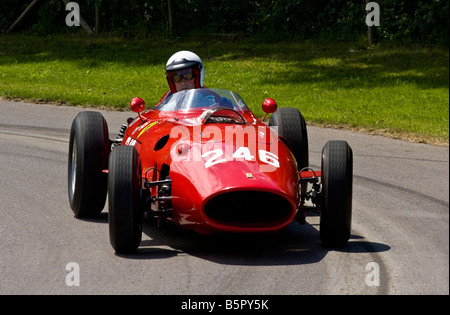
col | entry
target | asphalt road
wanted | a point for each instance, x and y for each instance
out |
(399, 242)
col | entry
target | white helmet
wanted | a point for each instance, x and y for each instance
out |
(183, 60)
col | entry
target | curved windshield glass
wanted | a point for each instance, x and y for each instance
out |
(201, 99)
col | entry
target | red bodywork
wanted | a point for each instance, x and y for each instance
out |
(225, 177)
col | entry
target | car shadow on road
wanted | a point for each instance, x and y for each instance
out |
(294, 245)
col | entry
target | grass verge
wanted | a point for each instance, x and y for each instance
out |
(397, 91)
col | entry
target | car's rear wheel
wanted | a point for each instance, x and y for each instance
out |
(89, 149)
(125, 215)
(337, 186)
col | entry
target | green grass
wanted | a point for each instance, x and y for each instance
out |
(400, 91)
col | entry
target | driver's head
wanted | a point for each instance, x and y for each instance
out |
(185, 70)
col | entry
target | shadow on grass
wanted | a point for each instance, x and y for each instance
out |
(346, 64)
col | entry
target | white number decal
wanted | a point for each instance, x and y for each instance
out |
(130, 141)
(269, 158)
(241, 153)
(213, 160)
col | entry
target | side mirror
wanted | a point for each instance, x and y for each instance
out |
(137, 105)
(269, 106)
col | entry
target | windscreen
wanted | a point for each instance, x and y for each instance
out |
(202, 99)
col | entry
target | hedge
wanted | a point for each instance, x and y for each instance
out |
(424, 21)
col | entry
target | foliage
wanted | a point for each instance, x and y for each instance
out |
(423, 21)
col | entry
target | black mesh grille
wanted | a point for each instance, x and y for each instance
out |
(248, 208)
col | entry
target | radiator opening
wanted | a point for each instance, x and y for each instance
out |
(248, 209)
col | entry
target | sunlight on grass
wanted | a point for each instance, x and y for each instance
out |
(389, 89)
(326, 62)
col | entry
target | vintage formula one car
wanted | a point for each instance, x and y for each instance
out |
(202, 160)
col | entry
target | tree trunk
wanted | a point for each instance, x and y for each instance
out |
(170, 8)
(22, 16)
(369, 31)
(97, 17)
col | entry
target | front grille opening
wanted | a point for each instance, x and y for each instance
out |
(248, 208)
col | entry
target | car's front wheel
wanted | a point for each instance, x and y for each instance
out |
(292, 126)
(89, 149)
(124, 184)
(337, 186)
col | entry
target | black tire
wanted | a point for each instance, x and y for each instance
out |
(292, 126)
(337, 187)
(125, 215)
(89, 149)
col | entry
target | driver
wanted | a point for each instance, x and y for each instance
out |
(185, 71)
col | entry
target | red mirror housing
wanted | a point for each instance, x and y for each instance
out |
(269, 106)
(137, 105)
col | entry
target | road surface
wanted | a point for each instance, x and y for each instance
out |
(399, 242)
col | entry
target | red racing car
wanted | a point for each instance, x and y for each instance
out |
(202, 160)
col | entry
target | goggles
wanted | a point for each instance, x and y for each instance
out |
(176, 77)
